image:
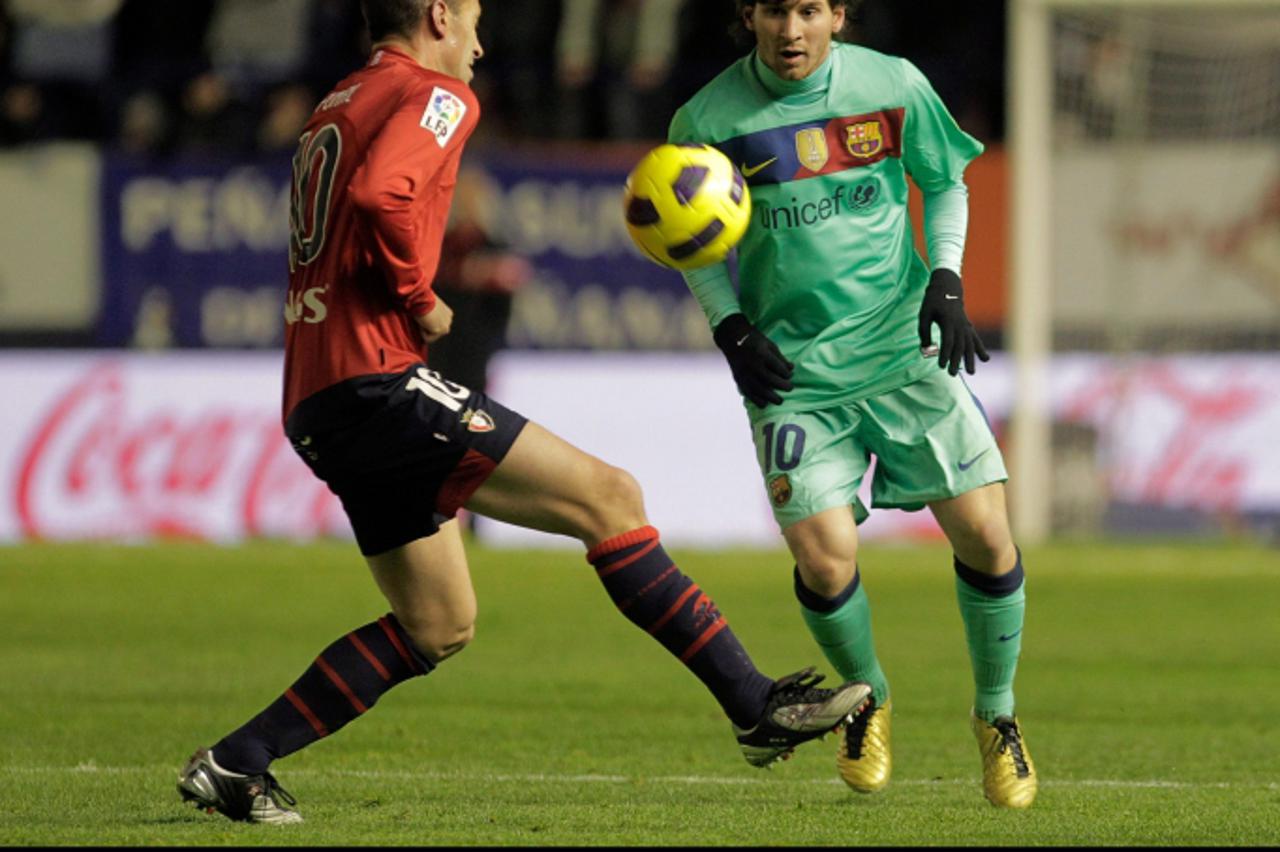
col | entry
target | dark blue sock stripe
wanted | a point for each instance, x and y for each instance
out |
(815, 602)
(997, 587)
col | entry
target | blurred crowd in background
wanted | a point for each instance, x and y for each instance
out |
(158, 77)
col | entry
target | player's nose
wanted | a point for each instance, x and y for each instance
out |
(792, 28)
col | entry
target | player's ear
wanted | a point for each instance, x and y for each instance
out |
(438, 17)
(837, 18)
(748, 9)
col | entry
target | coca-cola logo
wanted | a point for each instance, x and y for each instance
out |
(1175, 433)
(107, 461)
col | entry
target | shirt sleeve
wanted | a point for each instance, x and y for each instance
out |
(712, 285)
(714, 290)
(935, 150)
(946, 219)
(400, 165)
(681, 128)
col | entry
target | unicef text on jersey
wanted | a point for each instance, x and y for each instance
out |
(859, 198)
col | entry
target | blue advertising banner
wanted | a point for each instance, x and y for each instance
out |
(592, 289)
(194, 254)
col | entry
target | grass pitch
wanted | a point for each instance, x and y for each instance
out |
(1149, 691)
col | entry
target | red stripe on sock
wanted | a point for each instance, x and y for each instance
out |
(399, 646)
(368, 655)
(707, 636)
(301, 707)
(625, 605)
(620, 541)
(337, 680)
(623, 563)
(675, 607)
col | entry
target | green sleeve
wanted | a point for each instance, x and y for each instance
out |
(681, 128)
(711, 286)
(935, 150)
(714, 290)
(946, 218)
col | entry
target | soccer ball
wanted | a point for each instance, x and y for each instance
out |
(686, 205)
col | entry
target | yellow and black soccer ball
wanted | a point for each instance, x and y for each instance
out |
(686, 205)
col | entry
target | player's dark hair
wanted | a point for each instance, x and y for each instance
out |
(745, 38)
(396, 17)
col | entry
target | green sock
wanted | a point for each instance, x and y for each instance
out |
(842, 628)
(992, 609)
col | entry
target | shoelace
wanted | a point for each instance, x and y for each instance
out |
(857, 731)
(1011, 739)
(274, 790)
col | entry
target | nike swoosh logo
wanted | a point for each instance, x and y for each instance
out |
(966, 465)
(743, 340)
(949, 296)
(1004, 638)
(749, 171)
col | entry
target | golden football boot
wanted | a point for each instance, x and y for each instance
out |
(1008, 775)
(863, 759)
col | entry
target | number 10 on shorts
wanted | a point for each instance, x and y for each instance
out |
(783, 453)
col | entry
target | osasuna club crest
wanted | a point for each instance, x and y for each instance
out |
(864, 139)
(811, 148)
(478, 420)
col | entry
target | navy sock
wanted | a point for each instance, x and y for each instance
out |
(649, 590)
(346, 679)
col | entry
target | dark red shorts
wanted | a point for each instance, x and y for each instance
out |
(402, 451)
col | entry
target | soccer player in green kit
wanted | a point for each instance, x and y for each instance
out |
(830, 336)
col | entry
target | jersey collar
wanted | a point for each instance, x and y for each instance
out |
(391, 52)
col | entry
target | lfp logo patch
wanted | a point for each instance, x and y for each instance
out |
(444, 113)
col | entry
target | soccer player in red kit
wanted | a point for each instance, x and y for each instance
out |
(404, 448)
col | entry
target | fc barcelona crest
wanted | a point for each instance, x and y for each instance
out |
(811, 148)
(864, 139)
(780, 490)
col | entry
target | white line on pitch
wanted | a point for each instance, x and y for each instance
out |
(536, 777)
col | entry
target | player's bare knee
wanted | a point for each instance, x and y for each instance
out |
(987, 546)
(438, 639)
(827, 574)
(616, 503)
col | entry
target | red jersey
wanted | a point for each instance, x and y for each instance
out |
(372, 182)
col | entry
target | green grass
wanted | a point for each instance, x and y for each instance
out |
(1149, 691)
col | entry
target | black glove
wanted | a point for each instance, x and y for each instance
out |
(944, 304)
(757, 364)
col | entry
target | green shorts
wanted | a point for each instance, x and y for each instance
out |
(931, 440)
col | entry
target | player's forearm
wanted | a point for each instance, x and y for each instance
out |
(386, 204)
(946, 220)
(714, 290)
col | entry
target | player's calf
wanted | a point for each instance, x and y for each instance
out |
(650, 590)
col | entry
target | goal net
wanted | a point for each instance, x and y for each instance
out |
(1145, 311)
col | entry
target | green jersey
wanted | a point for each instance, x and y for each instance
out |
(828, 268)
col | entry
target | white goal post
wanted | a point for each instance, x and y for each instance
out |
(1159, 51)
